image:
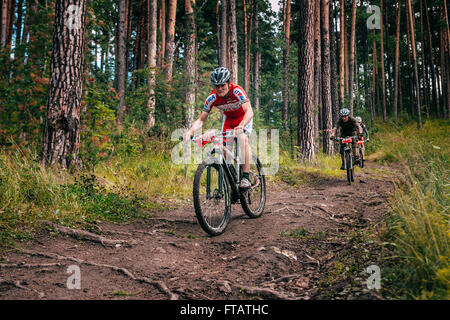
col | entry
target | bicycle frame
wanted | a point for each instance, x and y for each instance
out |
(225, 155)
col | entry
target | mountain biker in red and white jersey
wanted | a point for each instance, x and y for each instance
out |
(237, 111)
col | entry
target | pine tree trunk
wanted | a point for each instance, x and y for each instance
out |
(425, 84)
(152, 56)
(4, 23)
(446, 38)
(374, 75)
(19, 23)
(62, 127)
(434, 89)
(162, 28)
(170, 40)
(246, 77)
(414, 55)
(286, 52)
(397, 60)
(189, 61)
(383, 77)
(317, 75)
(352, 58)
(122, 57)
(256, 56)
(223, 49)
(233, 43)
(342, 56)
(327, 117)
(333, 62)
(306, 81)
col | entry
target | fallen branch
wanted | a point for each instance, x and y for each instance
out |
(158, 284)
(85, 235)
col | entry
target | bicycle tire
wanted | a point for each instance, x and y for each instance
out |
(245, 196)
(201, 212)
(348, 167)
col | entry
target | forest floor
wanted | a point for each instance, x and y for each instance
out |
(312, 242)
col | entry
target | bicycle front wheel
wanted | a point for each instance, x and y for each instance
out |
(254, 199)
(348, 164)
(211, 197)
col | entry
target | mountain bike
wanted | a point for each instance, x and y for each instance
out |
(361, 142)
(348, 159)
(216, 184)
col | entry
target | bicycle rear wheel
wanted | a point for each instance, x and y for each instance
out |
(254, 199)
(211, 197)
(361, 157)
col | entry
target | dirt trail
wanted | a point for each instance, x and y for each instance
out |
(172, 257)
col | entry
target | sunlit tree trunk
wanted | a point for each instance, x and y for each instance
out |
(352, 59)
(286, 51)
(305, 99)
(189, 61)
(152, 56)
(62, 127)
(326, 80)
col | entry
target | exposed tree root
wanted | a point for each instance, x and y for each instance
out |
(25, 265)
(18, 285)
(263, 292)
(158, 284)
(85, 235)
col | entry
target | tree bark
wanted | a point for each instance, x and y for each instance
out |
(170, 40)
(317, 75)
(256, 56)
(62, 127)
(286, 51)
(246, 76)
(162, 28)
(333, 62)
(397, 60)
(352, 58)
(189, 61)
(152, 57)
(434, 89)
(305, 100)
(383, 77)
(327, 116)
(233, 43)
(414, 55)
(223, 49)
(342, 56)
(122, 57)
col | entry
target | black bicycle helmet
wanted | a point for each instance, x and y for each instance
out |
(220, 76)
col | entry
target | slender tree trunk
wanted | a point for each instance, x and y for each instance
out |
(317, 75)
(162, 28)
(397, 60)
(352, 58)
(306, 81)
(189, 61)
(4, 22)
(170, 40)
(334, 90)
(383, 77)
(223, 49)
(122, 58)
(286, 51)
(342, 56)
(435, 95)
(152, 57)
(62, 127)
(233, 43)
(416, 73)
(327, 116)
(250, 20)
(374, 74)
(256, 56)
(408, 42)
(246, 76)
(425, 84)
(446, 37)
(19, 23)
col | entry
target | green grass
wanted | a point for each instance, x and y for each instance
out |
(419, 227)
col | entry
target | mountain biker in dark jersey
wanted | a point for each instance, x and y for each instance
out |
(237, 111)
(348, 127)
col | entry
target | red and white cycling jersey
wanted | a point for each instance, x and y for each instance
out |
(230, 106)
